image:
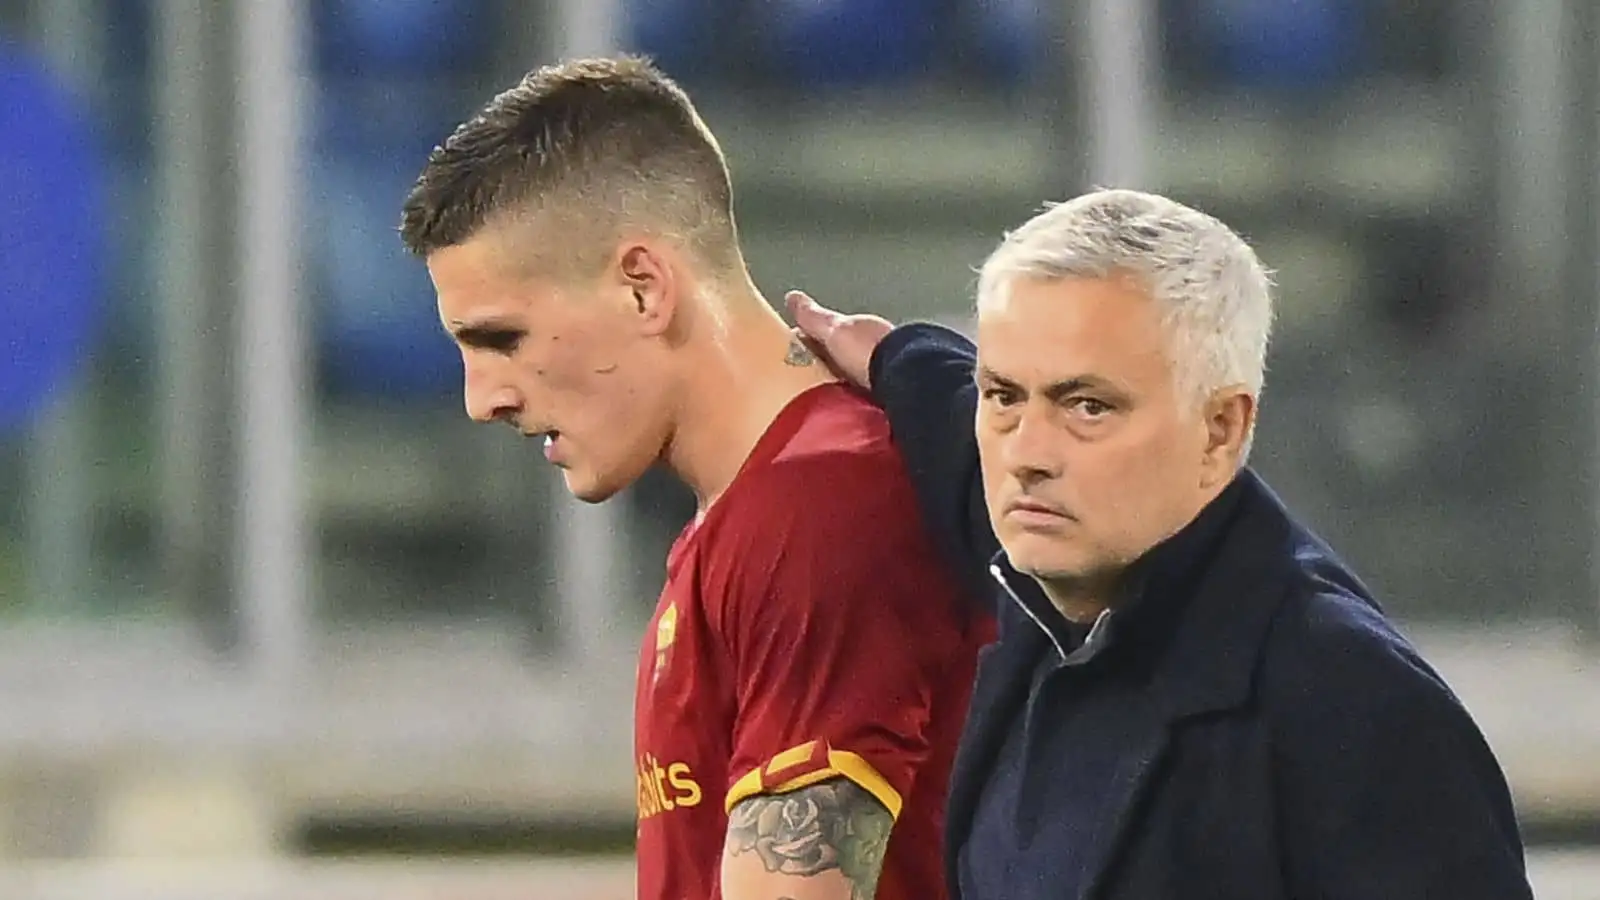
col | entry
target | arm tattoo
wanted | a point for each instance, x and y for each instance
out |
(832, 825)
(799, 354)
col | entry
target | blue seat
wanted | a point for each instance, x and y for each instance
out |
(53, 239)
(1011, 36)
(848, 43)
(1283, 44)
(129, 25)
(378, 333)
(680, 35)
(400, 37)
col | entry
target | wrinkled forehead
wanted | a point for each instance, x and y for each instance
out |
(1050, 330)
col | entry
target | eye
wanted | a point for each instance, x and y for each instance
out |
(495, 340)
(1091, 408)
(501, 341)
(1001, 396)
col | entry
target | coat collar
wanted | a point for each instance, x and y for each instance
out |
(1192, 609)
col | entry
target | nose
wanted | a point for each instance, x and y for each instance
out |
(490, 398)
(1032, 451)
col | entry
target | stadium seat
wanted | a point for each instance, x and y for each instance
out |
(678, 34)
(400, 37)
(1278, 44)
(127, 26)
(377, 335)
(1010, 36)
(53, 246)
(847, 43)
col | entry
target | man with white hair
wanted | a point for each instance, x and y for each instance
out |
(1191, 695)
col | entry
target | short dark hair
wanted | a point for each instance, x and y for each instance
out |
(604, 142)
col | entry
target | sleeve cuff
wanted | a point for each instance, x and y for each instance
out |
(812, 763)
(905, 340)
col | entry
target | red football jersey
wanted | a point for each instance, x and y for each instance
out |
(807, 630)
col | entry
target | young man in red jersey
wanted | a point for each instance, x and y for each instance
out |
(803, 682)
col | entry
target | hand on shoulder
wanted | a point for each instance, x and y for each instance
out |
(844, 342)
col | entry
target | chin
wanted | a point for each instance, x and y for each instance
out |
(597, 485)
(1042, 557)
(589, 490)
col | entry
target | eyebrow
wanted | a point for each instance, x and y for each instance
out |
(1056, 390)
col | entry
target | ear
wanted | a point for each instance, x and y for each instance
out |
(1229, 416)
(646, 272)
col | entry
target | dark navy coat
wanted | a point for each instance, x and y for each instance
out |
(1245, 725)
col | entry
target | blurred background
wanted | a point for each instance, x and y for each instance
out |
(276, 622)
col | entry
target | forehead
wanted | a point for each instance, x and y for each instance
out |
(474, 281)
(467, 273)
(1073, 327)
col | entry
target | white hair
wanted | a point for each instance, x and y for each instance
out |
(1217, 295)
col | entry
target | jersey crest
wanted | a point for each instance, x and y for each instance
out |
(666, 633)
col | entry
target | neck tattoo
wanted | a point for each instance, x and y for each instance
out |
(799, 354)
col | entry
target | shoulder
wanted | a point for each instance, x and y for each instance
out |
(840, 431)
(830, 523)
(831, 513)
(1328, 670)
(1320, 628)
(1334, 662)
(838, 476)
(1332, 634)
(1377, 756)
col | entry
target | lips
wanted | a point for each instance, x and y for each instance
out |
(1030, 512)
(1033, 505)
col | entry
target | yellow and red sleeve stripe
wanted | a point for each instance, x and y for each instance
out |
(811, 763)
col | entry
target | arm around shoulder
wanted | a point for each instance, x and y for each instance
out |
(922, 376)
(1389, 789)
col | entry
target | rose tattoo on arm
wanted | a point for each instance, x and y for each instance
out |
(832, 825)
